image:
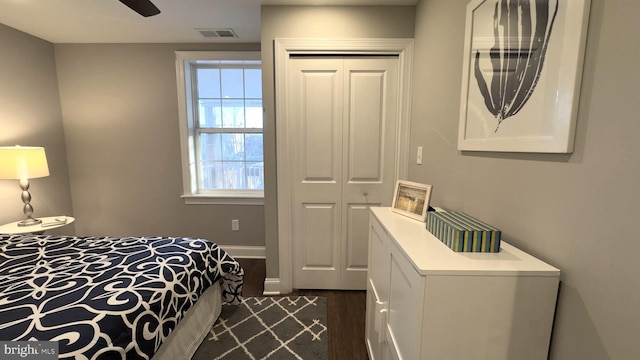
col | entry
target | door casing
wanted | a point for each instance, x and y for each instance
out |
(283, 49)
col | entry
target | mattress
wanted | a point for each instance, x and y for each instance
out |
(183, 342)
(108, 297)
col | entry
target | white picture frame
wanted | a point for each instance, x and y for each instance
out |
(532, 75)
(411, 199)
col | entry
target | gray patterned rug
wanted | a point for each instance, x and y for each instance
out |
(292, 327)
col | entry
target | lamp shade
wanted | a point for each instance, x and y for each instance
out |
(23, 162)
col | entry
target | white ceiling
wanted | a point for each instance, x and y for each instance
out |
(110, 21)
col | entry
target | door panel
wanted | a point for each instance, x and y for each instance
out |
(366, 122)
(320, 122)
(319, 225)
(370, 153)
(356, 249)
(316, 113)
(357, 240)
(343, 113)
(318, 258)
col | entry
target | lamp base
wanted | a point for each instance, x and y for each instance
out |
(28, 209)
(29, 222)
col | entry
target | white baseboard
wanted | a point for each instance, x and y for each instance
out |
(246, 252)
(271, 286)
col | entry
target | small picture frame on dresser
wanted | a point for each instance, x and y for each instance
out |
(411, 199)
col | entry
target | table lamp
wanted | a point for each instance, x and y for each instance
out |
(23, 163)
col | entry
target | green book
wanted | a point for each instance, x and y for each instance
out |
(437, 228)
(483, 232)
(486, 233)
(454, 233)
(468, 232)
(491, 242)
(431, 223)
(476, 232)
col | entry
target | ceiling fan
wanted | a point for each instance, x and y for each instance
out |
(142, 7)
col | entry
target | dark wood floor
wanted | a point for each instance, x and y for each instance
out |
(345, 312)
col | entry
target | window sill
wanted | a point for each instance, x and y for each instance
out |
(223, 200)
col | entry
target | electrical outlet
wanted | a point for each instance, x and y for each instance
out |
(235, 225)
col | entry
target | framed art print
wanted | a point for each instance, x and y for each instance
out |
(521, 75)
(411, 199)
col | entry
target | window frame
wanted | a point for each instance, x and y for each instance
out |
(188, 139)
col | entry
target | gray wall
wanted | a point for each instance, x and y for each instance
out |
(578, 211)
(30, 116)
(313, 22)
(120, 111)
(575, 211)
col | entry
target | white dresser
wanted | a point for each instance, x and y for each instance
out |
(425, 301)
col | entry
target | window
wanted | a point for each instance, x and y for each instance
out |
(220, 97)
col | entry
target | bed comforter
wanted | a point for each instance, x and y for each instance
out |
(106, 297)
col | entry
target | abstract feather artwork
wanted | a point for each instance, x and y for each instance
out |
(521, 74)
(522, 35)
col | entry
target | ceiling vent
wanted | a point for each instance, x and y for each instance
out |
(218, 33)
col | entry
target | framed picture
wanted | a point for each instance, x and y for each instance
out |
(411, 199)
(521, 75)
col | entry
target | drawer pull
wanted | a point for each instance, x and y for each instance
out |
(380, 319)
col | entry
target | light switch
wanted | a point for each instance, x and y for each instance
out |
(419, 157)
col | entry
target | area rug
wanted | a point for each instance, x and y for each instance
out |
(292, 327)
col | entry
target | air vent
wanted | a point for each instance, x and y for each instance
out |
(218, 33)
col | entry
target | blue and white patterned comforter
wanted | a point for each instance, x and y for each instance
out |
(106, 297)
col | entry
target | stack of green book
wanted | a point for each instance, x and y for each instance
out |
(462, 232)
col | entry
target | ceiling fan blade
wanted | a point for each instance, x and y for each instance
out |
(142, 7)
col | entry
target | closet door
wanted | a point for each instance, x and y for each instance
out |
(343, 114)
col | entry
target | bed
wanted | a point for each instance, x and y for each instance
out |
(114, 297)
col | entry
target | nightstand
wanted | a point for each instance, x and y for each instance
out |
(48, 223)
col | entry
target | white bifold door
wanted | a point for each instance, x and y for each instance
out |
(342, 115)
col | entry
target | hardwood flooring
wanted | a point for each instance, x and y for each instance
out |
(345, 312)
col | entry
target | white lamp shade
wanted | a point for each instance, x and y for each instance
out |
(23, 162)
